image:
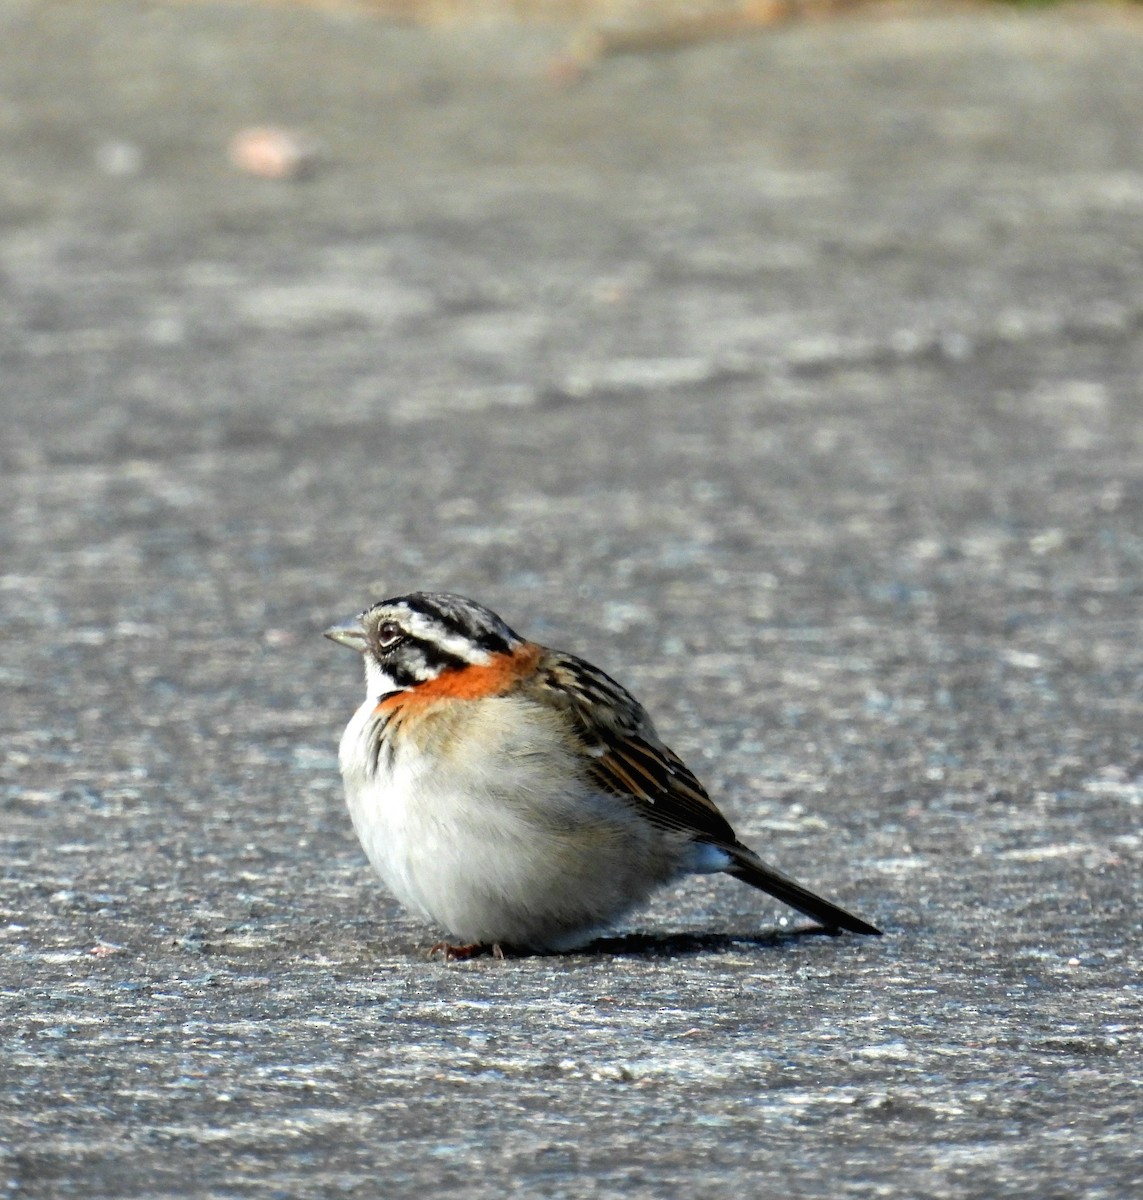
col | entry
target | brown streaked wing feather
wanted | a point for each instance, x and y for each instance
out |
(627, 758)
(674, 798)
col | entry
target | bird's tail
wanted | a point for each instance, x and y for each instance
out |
(751, 869)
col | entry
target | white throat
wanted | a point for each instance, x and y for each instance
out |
(377, 682)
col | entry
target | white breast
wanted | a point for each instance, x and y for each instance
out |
(481, 821)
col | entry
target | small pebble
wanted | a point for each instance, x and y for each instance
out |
(271, 152)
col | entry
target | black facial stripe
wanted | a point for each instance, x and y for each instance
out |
(435, 659)
(457, 616)
(415, 660)
(491, 641)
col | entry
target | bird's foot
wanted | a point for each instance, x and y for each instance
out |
(464, 953)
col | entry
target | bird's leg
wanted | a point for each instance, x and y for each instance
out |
(461, 953)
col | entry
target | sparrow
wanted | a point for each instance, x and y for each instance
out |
(515, 795)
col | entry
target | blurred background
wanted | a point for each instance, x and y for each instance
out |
(784, 360)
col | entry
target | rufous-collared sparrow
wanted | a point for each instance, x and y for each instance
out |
(516, 795)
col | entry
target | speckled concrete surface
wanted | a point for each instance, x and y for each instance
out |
(794, 380)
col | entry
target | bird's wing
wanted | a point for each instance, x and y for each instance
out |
(628, 760)
(626, 757)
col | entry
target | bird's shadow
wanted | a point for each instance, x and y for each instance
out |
(679, 944)
(692, 942)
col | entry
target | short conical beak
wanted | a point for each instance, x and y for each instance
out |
(348, 634)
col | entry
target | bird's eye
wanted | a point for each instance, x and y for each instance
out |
(389, 633)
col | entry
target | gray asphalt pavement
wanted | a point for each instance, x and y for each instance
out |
(795, 380)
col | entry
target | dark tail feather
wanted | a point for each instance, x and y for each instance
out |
(752, 870)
